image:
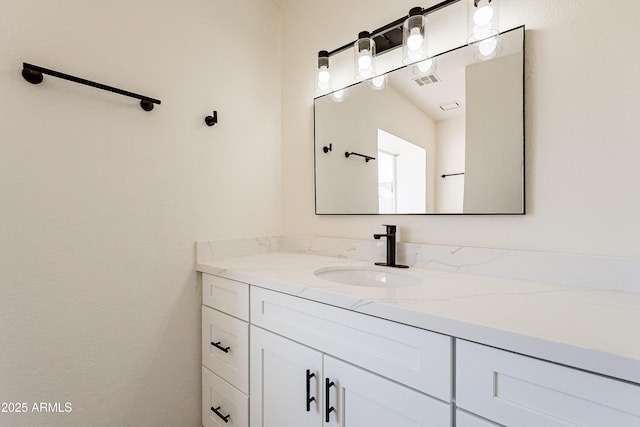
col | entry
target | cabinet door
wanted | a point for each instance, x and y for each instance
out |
(417, 358)
(285, 380)
(359, 398)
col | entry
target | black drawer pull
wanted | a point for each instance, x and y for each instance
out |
(328, 409)
(309, 397)
(216, 411)
(219, 347)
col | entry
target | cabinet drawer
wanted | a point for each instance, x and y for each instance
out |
(226, 295)
(516, 390)
(229, 358)
(411, 356)
(226, 400)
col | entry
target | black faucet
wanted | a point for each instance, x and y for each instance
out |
(391, 247)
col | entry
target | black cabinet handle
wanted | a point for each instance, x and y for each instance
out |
(219, 347)
(216, 411)
(328, 409)
(309, 397)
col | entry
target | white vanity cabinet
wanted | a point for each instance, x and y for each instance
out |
(275, 360)
(225, 352)
(516, 390)
(293, 385)
(304, 382)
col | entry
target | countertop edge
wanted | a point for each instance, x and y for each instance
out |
(595, 361)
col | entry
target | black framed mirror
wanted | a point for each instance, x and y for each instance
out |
(440, 137)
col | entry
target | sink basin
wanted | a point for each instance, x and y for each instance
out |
(377, 277)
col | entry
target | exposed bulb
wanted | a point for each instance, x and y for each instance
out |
(488, 46)
(324, 75)
(414, 42)
(364, 60)
(483, 15)
(338, 95)
(425, 65)
(481, 32)
(378, 82)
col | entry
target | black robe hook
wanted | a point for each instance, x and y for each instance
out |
(211, 120)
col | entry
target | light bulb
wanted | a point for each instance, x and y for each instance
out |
(323, 75)
(414, 42)
(364, 60)
(481, 32)
(378, 82)
(425, 66)
(488, 46)
(338, 95)
(483, 15)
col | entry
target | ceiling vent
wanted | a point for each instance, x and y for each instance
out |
(450, 106)
(427, 80)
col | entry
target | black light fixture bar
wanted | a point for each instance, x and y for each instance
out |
(33, 74)
(451, 174)
(397, 24)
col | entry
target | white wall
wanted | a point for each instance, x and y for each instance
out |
(582, 127)
(450, 137)
(493, 154)
(101, 202)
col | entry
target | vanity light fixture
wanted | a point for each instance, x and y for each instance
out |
(364, 55)
(381, 40)
(414, 37)
(323, 75)
(483, 26)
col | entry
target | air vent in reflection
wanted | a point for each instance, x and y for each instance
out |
(427, 80)
(450, 106)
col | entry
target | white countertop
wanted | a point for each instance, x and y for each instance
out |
(591, 329)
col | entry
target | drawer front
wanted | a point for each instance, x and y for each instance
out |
(516, 390)
(225, 347)
(226, 295)
(229, 403)
(411, 356)
(467, 420)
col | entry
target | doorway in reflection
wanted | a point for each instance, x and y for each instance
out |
(402, 175)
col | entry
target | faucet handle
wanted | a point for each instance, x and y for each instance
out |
(391, 229)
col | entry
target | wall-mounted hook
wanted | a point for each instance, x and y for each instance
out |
(327, 149)
(211, 120)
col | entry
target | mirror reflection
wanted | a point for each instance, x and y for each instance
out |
(441, 137)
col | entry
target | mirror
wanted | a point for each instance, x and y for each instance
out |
(443, 140)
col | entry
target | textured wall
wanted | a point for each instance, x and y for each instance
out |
(101, 202)
(581, 122)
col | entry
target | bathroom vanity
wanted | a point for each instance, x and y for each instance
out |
(284, 347)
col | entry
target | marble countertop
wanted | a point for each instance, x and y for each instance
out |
(591, 329)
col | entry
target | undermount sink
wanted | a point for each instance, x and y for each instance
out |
(377, 277)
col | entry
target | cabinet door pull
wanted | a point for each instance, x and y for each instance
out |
(216, 411)
(309, 397)
(219, 347)
(328, 409)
